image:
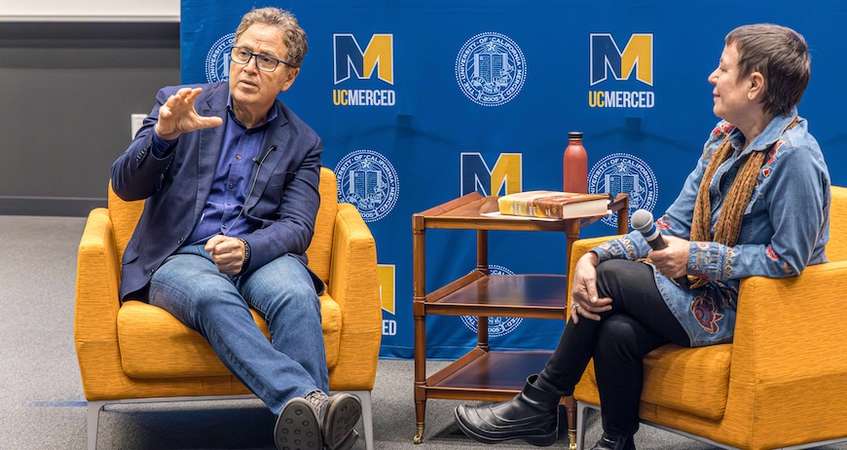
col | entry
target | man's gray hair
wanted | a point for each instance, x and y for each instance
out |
(294, 36)
(781, 55)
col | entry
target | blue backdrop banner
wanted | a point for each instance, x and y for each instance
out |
(420, 102)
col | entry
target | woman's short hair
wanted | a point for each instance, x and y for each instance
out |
(781, 55)
(294, 36)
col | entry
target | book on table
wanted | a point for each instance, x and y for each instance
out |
(553, 204)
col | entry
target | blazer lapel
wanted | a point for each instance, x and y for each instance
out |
(209, 149)
(277, 136)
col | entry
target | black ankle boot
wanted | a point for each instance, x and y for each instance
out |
(532, 415)
(610, 442)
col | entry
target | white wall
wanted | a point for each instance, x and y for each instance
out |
(89, 10)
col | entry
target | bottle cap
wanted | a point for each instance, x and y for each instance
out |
(574, 134)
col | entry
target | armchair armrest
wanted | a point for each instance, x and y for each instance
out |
(97, 303)
(792, 328)
(354, 285)
(789, 355)
(578, 249)
(97, 277)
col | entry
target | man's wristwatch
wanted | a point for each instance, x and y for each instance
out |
(246, 259)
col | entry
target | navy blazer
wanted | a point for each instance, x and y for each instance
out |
(281, 206)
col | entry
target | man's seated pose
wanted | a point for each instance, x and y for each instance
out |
(231, 178)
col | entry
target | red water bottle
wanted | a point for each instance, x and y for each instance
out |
(575, 164)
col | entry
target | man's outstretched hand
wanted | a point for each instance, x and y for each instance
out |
(178, 115)
(227, 252)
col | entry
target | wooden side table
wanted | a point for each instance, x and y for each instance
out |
(482, 374)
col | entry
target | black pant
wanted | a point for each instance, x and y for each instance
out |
(638, 322)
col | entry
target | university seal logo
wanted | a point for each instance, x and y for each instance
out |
(217, 60)
(368, 181)
(622, 172)
(497, 326)
(490, 69)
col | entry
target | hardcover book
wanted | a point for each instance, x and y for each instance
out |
(553, 204)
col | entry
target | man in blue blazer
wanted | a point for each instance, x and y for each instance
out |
(230, 176)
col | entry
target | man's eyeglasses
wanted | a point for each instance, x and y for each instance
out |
(264, 62)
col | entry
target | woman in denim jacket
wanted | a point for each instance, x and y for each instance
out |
(756, 204)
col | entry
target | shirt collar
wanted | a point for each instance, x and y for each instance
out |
(772, 132)
(270, 117)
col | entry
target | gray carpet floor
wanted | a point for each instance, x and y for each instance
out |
(41, 400)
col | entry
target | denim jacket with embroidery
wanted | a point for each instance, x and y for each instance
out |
(784, 228)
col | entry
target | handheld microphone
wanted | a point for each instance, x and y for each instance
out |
(642, 221)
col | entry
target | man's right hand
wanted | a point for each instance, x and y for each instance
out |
(178, 116)
(584, 295)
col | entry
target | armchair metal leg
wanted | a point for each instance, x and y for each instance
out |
(367, 417)
(92, 420)
(582, 411)
(94, 408)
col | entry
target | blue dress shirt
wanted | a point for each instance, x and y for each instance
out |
(233, 177)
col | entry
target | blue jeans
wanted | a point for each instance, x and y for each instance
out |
(190, 286)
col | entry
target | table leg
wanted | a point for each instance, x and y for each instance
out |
(419, 311)
(420, 378)
(420, 413)
(570, 404)
(570, 409)
(571, 236)
(482, 333)
(482, 251)
(623, 217)
(482, 266)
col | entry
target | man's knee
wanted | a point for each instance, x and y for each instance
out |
(282, 283)
(295, 301)
(213, 297)
(300, 294)
(206, 296)
(192, 299)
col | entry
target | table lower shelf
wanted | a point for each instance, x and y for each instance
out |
(486, 375)
(541, 296)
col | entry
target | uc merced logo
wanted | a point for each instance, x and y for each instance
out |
(497, 326)
(217, 60)
(628, 72)
(477, 177)
(354, 68)
(368, 181)
(490, 69)
(622, 172)
(387, 280)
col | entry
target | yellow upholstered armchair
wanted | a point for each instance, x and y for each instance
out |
(136, 352)
(781, 383)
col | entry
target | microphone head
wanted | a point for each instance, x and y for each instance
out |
(642, 220)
